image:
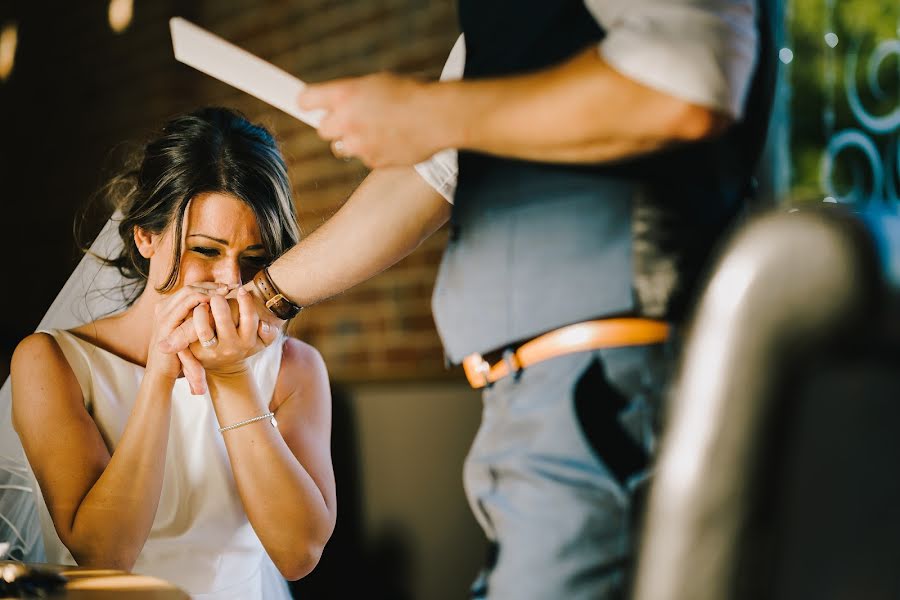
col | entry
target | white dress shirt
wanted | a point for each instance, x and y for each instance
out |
(701, 51)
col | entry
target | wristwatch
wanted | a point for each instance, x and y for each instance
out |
(275, 301)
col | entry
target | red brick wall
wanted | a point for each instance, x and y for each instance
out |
(382, 329)
(92, 89)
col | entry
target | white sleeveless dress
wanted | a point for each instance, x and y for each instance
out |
(201, 539)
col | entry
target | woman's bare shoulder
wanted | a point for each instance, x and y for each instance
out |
(40, 355)
(302, 369)
(41, 373)
(299, 354)
(39, 349)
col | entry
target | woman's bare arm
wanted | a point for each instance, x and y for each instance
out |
(284, 476)
(102, 507)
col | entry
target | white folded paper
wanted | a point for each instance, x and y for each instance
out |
(226, 62)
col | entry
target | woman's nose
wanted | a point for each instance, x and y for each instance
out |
(228, 271)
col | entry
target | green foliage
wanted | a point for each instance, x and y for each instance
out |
(817, 87)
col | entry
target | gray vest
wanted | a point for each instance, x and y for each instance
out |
(536, 246)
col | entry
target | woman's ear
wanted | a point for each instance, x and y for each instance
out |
(144, 241)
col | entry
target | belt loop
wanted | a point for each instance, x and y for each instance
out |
(512, 363)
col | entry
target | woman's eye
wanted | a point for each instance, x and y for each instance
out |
(256, 261)
(205, 251)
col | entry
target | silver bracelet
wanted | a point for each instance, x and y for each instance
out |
(268, 415)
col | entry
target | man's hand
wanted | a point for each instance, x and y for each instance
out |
(186, 333)
(382, 119)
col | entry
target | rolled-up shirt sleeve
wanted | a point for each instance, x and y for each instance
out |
(701, 51)
(440, 170)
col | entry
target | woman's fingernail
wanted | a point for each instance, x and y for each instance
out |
(242, 292)
(265, 327)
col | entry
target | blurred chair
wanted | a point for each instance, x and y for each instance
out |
(779, 472)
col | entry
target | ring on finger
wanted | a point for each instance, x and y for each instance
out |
(210, 342)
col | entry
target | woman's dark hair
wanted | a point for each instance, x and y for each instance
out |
(210, 150)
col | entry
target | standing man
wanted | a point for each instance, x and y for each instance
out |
(604, 147)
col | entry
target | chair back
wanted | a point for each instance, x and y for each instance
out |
(778, 471)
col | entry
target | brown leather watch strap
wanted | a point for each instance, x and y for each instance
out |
(276, 302)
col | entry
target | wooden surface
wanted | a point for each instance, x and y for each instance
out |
(100, 584)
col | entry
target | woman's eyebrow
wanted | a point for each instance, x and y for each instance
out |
(225, 242)
(209, 237)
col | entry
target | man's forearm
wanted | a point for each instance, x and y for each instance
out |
(579, 111)
(383, 221)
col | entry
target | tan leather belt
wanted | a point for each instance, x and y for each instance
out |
(580, 337)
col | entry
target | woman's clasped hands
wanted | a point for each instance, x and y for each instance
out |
(228, 331)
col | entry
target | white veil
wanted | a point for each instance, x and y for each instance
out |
(93, 290)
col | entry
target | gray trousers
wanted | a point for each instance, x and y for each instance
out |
(557, 470)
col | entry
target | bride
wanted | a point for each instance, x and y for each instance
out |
(136, 470)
